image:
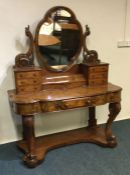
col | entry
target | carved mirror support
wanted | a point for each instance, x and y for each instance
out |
(90, 56)
(26, 59)
(58, 42)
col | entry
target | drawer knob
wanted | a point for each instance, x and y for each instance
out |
(89, 102)
(61, 105)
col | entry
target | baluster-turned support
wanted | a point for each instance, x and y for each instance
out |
(92, 122)
(29, 137)
(114, 109)
(90, 56)
(26, 59)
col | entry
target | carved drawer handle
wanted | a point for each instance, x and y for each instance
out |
(89, 102)
(61, 105)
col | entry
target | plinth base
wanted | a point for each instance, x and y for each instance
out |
(45, 143)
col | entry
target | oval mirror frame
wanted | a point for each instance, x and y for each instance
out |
(41, 58)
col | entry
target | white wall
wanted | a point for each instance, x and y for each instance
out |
(106, 21)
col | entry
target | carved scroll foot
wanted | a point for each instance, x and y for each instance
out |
(30, 160)
(114, 109)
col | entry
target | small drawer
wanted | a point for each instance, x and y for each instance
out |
(95, 82)
(28, 89)
(23, 82)
(97, 69)
(23, 75)
(101, 75)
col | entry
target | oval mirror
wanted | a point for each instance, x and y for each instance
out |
(58, 39)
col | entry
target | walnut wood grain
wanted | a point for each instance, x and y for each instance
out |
(48, 101)
(60, 87)
(78, 92)
(95, 74)
(28, 80)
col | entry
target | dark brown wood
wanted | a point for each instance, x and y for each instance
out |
(92, 118)
(90, 56)
(57, 88)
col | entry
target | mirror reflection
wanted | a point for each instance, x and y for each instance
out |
(59, 38)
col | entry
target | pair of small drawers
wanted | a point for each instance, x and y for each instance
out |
(97, 75)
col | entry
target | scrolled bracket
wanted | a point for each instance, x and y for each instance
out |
(90, 56)
(26, 59)
(60, 105)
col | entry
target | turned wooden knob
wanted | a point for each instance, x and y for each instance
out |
(89, 102)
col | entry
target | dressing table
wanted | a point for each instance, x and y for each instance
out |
(60, 83)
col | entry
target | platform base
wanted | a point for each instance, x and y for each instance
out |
(45, 143)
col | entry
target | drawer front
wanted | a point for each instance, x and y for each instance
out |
(80, 102)
(98, 75)
(28, 75)
(97, 69)
(95, 82)
(28, 81)
(51, 106)
(114, 97)
(22, 82)
(28, 89)
(27, 109)
(101, 75)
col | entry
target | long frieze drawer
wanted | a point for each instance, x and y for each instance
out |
(51, 106)
(97, 69)
(80, 102)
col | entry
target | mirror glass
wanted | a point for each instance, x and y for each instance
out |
(59, 37)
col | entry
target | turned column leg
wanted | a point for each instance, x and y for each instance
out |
(29, 137)
(92, 122)
(24, 128)
(114, 109)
